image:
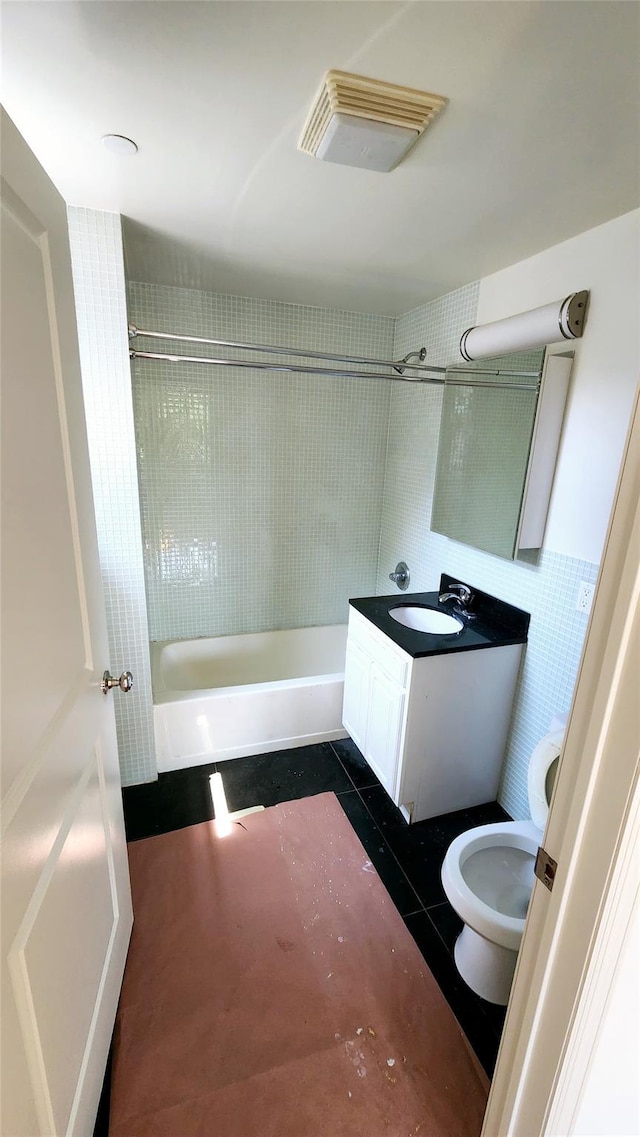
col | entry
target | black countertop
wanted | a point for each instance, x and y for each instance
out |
(496, 624)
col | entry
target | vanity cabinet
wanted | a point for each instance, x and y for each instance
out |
(433, 728)
(374, 698)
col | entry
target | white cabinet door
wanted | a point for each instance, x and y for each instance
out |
(385, 722)
(356, 694)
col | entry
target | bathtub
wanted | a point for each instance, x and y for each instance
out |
(231, 696)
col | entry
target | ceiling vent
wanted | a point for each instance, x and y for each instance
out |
(365, 122)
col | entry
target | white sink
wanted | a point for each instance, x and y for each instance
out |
(423, 619)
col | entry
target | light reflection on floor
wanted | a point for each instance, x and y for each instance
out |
(223, 819)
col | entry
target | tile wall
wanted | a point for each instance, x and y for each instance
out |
(261, 493)
(99, 285)
(543, 583)
(267, 500)
(414, 425)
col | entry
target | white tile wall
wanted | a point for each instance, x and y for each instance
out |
(544, 584)
(414, 425)
(98, 276)
(261, 493)
(266, 498)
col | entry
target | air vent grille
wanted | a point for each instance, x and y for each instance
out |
(342, 92)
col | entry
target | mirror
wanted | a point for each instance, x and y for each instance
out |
(499, 433)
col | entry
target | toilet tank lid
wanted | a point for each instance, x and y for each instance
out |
(545, 754)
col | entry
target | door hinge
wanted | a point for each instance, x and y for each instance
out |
(545, 868)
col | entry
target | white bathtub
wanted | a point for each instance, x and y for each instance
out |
(236, 695)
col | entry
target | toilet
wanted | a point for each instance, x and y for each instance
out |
(488, 877)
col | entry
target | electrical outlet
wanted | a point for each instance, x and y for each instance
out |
(585, 597)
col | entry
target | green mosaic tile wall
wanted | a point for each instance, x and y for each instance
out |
(261, 493)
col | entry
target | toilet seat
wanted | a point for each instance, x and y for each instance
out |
(499, 927)
(539, 790)
(488, 876)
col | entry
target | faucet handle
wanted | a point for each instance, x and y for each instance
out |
(401, 576)
(457, 591)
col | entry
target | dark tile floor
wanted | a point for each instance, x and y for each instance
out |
(407, 857)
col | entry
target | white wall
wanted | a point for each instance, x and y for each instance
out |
(606, 261)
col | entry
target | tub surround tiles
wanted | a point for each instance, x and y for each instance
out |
(414, 425)
(99, 286)
(260, 493)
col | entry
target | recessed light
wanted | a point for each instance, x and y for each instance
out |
(118, 144)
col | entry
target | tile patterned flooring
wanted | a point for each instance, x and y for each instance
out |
(407, 858)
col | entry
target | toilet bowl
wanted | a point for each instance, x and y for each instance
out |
(488, 875)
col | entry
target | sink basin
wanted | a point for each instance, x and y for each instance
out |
(423, 619)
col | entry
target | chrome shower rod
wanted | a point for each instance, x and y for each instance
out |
(302, 352)
(400, 366)
(294, 368)
(341, 373)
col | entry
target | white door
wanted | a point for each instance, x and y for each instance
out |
(66, 906)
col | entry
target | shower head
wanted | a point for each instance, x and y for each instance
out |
(421, 355)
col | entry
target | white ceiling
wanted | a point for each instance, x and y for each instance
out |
(540, 139)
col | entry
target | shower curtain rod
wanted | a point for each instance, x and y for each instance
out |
(400, 366)
(270, 349)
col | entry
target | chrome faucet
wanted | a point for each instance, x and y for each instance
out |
(462, 595)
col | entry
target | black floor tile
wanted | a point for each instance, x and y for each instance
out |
(354, 763)
(379, 853)
(101, 1127)
(436, 955)
(386, 815)
(466, 1006)
(176, 800)
(422, 860)
(421, 848)
(185, 801)
(266, 779)
(449, 925)
(179, 776)
(487, 814)
(495, 1016)
(141, 810)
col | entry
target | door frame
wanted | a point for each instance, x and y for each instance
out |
(572, 938)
